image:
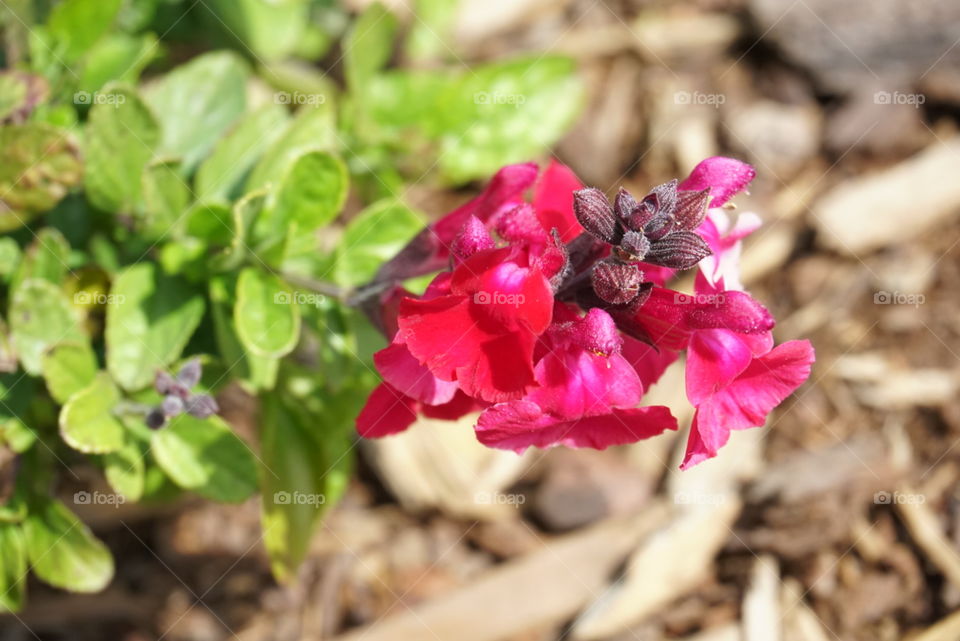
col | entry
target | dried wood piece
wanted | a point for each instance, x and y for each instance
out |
(761, 603)
(947, 629)
(891, 206)
(540, 589)
(800, 623)
(926, 530)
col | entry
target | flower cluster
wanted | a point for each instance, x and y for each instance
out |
(552, 317)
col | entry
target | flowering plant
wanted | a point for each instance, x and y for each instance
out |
(551, 318)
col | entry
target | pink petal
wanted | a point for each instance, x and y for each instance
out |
(401, 370)
(473, 237)
(733, 310)
(387, 412)
(747, 401)
(521, 424)
(648, 362)
(723, 176)
(553, 200)
(714, 358)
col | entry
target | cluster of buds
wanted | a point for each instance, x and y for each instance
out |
(657, 230)
(178, 397)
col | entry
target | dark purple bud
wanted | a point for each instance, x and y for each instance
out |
(189, 374)
(172, 406)
(691, 208)
(635, 245)
(202, 406)
(665, 196)
(679, 250)
(616, 283)
(642, 214)
(595, 214)
(167, 385)
(659, 227)
(624, 204)
(155, 419)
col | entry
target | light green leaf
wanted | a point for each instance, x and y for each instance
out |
(292, 482)
(205, 456)
(20, 93)
(16, 392)
(150, 318)
(267, 314)
(87, 422)
(68, 368)
(13, 570)
(63, 551)
(258, 372)
(374, 236)
(234, 156)
(46, 258)
(118, 57)
(125, 469)
(312, 128)
(76, 24)
(10, 256)
(197, 102)
(269, 28)
(312, 193)
(40, 317)
(39, 164)
(165, 196)
(121, 137)
(369, 44)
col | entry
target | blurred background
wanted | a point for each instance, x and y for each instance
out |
(840, 520)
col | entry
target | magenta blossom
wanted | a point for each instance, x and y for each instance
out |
(553, 317)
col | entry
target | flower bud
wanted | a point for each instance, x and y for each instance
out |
(635, 245)
(616, 283)
(691, 208)
(595, 214)
(679, 250)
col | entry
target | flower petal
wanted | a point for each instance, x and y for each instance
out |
(405, 373)
(723, 176)
(553, 200)
(387, 412)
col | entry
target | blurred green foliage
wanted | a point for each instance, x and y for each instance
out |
(167, 168)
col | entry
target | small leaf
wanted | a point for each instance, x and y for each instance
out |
(374, 236)
(369, 44)
(267, 315)
(46, 258)
(13, 570)
(312, 128)
(68, 368)
(77, 24)
(125, 469)
(39, 164)
(118, 57)
(120, 139)
(312, 193)
(165, 196)
(205, 456)
(220, 175)
(40, 317)
(197, 102)
(268, 28)
(87, 422)
(150, 318)
(63, 551)
(20, 93)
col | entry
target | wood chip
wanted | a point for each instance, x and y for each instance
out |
(925, 528)
(761, 603)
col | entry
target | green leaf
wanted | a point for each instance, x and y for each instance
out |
(374, 236)
(121, 137)
(46, 258)
(68, 368)
(87, 422)
(63, 551)
(205, 456)
(292, 482)
(10, 256)
(150, 318)
(13, 570)
(220, 175)
(268, 28)
(197, 102)
(369, 44)
(76, 24)
(40, 317)
(313, 192)
(267, 315)
(118, 57)
(20, 93)
(259, 372)
(165, 196)
(39, 164)
(125, 469)
(312, 128)
(16, 392)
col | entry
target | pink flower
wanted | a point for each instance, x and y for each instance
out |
(586, 394)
